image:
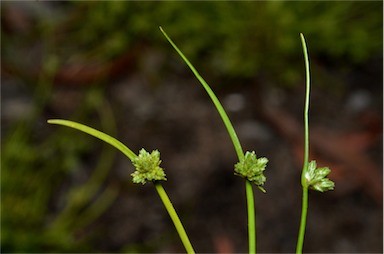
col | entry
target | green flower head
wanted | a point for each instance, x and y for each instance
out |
(316, 178)
(252, 169)
(147, 167)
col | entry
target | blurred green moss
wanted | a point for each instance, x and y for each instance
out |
(41, 208)
(238, 39)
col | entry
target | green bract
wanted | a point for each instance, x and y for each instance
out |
(316, 178)
(252, 169)
(147, 167)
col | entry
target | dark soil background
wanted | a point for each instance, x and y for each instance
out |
(63, 191)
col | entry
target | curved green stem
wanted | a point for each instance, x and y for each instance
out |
(175, 218)
(236, 144)
(214, 99)
(98, 134)
(131, 155)
(300, 240)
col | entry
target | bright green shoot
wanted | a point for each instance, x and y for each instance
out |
(147, 169)
(248, 167)
(311, 176)
(219, 107)
(98, 134)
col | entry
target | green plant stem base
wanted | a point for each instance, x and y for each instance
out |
(176, 220)
(251, 217)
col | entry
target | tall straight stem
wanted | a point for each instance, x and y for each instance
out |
(175, 218)
(304, 208)
(306, 110)
(303, 221)
(251, 217)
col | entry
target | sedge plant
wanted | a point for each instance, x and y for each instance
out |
(249, 167)
(147, 170)
(311, 176)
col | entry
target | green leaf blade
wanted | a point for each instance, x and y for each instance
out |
(215, 100)
(98, 134)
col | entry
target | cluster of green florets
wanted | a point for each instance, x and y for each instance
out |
(147, 167)
(316, 178)
(252, 168)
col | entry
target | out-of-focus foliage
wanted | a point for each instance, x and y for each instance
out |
(235, 39)
(30, 174)
(239, 39)
(34, 165)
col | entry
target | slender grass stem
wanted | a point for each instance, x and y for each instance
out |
(251, 217)
(131, 155)
(175, 218)
(306, 108)
(303, 221)
(300, 240)
(213, 97)
(98, 134)
(236, 144)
